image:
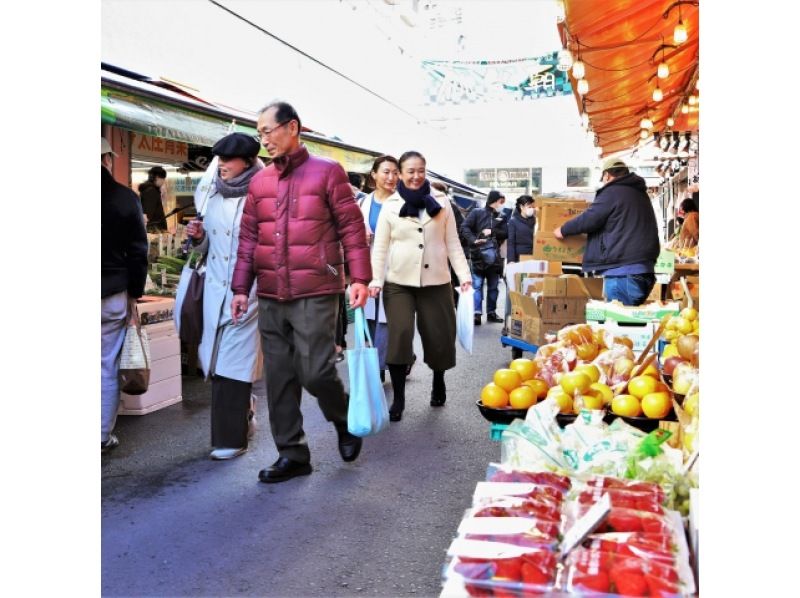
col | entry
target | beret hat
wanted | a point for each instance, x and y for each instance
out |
(236, 145)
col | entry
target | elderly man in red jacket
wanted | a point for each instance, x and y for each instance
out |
(300, 223)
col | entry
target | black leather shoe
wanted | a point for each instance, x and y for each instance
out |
(477, 319)
(494, 318)
(395, 415)
(283, 469)
(349, 445)
(438, 401)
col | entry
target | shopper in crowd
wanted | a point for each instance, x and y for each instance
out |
(384, 174)
(123, 271)
(484, 230)
(300, 225)
(690, 228)
(228, 354)
(623, 242)
(520, 229)
(150, 194)
(415, 238)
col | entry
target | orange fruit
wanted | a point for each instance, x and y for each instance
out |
(587, 351)
(494, 396)
(623, 340)
(539, 387)
(639, 386)
(656, 405)
(573, 382)
(527, 368)
(593, 400)
(651, 370)
(563, 400)
(626, 405)
(603, 390)
(507, 379)
(522, 397)
(590, 370)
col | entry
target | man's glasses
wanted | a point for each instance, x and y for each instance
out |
(263, 134)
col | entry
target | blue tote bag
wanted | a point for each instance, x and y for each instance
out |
(368, 412)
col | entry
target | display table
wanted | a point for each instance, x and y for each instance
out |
(155, 314)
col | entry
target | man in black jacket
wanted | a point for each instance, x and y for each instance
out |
(623, 242)
(484, 230)
(123, 257)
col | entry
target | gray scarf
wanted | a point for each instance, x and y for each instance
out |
(237, 186)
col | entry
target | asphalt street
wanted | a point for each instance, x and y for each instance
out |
(175, 523)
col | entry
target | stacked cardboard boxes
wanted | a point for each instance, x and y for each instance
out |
(553, 213)
(156, 316)
(638, 323)
(550, 304)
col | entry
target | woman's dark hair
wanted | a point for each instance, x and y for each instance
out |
(385, 158)
(408, 155)
(689, 205)
(284, 112)
(523, 200)
(156, 171)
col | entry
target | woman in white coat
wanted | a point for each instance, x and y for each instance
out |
(228, 353)
(384, 173)
(415, 239)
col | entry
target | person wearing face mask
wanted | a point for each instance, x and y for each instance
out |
(229, 355)
(150, 195)
(520, 229)
(484, 230)
(384, 174)
(415, 238)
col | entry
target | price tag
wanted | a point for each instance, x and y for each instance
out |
(665, 264)
(586, 525)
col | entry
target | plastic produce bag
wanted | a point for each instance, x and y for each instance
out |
(465, 322)
(368, 412)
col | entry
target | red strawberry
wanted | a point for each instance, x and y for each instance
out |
(630, 583)
(624, 520)
(598, 582)
(662, 588)
(534, 575)
(508, 568)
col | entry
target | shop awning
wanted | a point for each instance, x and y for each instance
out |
(621, 43)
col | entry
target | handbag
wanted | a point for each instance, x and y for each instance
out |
(134, 361)
(367, 412)
(488, 252)
(189, 301)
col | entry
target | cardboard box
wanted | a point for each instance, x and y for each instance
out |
(569, 250)
(555, 213)
(601, 311)
(595, 287)
(153, 310)
(556, 303)
(159, 395)
(527, 268)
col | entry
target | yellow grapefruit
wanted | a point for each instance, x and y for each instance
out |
(494, 396)
(522, 397)
(507, 379)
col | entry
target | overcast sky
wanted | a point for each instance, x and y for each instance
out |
(369, 41)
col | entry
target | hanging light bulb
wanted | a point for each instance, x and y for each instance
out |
(646, 123)
(679, 35)
(670, 122)
(583, 87)
(692, 100)
(564, 60)
(663, 70)
(685, 109)
(584, 119)
(578, 69)
(658, 95)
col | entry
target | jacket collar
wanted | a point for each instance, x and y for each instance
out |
(286, 164)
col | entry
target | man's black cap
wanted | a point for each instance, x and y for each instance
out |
(236, 145)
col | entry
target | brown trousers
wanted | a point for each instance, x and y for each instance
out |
(297, 340)
(436, 322)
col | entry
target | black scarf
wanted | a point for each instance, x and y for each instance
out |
(237, 186)
(416, 199)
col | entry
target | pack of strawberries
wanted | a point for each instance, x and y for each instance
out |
(544, 534)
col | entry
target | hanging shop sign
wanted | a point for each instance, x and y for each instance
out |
(469, 82)
(158, 148)
(350, 160)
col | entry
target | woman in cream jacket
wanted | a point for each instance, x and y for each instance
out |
(415, 238)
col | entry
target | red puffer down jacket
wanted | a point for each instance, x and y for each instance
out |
(298, 217)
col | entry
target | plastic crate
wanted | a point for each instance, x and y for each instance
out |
(496, 431)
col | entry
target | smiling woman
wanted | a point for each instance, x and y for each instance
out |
(415, 237)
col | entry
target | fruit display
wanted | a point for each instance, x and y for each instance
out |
(608, 573)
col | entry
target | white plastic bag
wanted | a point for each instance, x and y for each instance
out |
(465, 322)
